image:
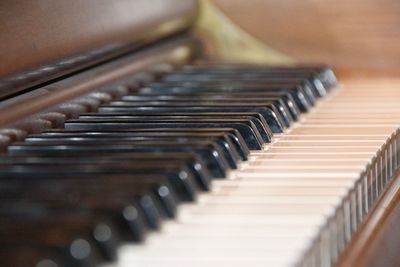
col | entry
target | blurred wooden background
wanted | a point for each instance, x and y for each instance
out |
(357, 37)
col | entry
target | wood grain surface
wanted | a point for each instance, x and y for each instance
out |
(359, 37)
(35, 33)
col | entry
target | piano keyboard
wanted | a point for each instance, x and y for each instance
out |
(308, 189)
(206, 165)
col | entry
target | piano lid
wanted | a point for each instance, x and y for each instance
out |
(43, 40)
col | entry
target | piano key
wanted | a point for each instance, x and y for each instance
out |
(280, 107)
(211, 155)
(225, 145)
(217, 66)
(310, 85)
(353, 138)
(260, 124)
(235, 137)
(99, 192)
(270, 113)
(346, 129)
(255, 118)
(323, 73)
(286, 98)
(302, 98)
(180, 177)
(246, 128)
(150, 206)
(192, 161)
(295, 87)
(279, 98)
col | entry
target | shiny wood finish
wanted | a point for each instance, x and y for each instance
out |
(377, 242)
(355, 36)
(176, 51)
(71, 35)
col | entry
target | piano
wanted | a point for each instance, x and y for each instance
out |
(122, 145)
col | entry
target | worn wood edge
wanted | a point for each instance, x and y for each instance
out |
(362, 249)
(175, 52)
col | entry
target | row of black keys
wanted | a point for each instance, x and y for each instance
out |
(70, 196)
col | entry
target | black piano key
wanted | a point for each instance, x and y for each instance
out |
(115, 188)
(303, 99)
(150, 211)
(206, 151)
(256, 121)
(221, 137)
(196, 165)
(322, 72)
(131, 219)
(180, 177)
(269, 111)
(284, 117)
(235, 137)
(286, 99)
(108, 193)
(247, 128)
(209, 151)
(151, 206)
(230, 152)
(131, 214)
(303, 86)
(279, 106)
(311, 81)
(256, 118)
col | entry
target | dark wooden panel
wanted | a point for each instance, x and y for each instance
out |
(36, 33)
